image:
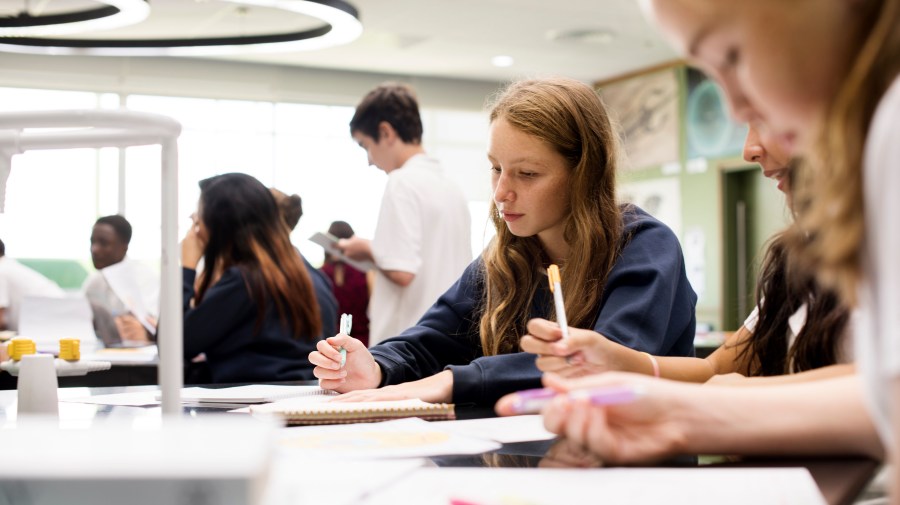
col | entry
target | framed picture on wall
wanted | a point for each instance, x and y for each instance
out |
(646, 108)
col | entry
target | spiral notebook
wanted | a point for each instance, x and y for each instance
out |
(299, 411)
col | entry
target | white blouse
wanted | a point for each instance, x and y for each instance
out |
(845, 351)
(877, 329)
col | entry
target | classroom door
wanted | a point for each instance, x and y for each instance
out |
(754, 210)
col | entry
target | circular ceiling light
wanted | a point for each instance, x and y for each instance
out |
(114, 14)
(341, 27)
(502, 61)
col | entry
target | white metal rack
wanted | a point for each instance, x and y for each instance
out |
(72, 129)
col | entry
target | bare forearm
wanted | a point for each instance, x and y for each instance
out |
(828, 372)
(685, 369)
(723, 360)
(814, 418)
(398, 277)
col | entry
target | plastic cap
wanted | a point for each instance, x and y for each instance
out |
(20, 347)
(70, 349)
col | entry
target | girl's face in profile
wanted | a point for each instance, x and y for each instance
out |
(199, 227)
(772, 159)
(780, 63)
(530, 181)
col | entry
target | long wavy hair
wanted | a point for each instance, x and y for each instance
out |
(570, 117)
(831, 225)
(246, 231)
(784, 286)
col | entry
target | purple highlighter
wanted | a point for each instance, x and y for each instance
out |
(531, 401)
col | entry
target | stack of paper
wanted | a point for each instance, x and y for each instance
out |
(254, 393)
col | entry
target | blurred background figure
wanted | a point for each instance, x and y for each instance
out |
(16, 282)
(351, 286)
(291, 209)
(254, 316)
(127, 289)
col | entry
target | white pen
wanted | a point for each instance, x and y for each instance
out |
(346, 324)
(556, 288)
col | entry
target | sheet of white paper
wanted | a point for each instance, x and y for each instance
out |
(124, 355)
(254, 393)
(135, 288)
(505, 430)
(139, 399)
(622, 486)
(329, 242)
(402, 438)
(294, 480)
(46, 320)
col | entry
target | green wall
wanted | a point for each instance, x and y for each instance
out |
(702, 212)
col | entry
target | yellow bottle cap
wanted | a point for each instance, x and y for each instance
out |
(20, 347)
(70, 349)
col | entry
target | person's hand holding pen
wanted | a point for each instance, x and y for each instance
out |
(552, 342)
(584, 352)
(620, 417)
(352, 369)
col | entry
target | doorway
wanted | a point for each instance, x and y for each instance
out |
(754, 210)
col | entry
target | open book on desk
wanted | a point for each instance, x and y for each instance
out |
(329, 243)
(300, 411)
(254, 393)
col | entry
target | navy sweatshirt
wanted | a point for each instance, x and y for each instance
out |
(647, 305)
(223, 327)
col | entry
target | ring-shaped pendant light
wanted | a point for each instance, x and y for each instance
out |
(341, 27)
(114, 14)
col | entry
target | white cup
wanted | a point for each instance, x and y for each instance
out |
(37, 385)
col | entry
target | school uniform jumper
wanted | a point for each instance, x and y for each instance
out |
(647, 305)
(224, 327)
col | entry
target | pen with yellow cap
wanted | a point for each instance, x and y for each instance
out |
(556, 288)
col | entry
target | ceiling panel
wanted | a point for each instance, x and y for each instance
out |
(439, 38)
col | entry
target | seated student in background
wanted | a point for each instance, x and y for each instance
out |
(291, 209)
(16, 282)
(797, 324)
(110, 237)
(254, 314)
(842, 114)
(351, 286)
(553, 155)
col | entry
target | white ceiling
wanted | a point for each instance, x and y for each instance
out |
(438, 38)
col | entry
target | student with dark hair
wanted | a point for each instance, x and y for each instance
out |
(110, 238)
(553, 154)
(291, 209)
(254, 313)
(351, 286)
(422, 239)
(290, 206)
(797, 325)
(16, 282)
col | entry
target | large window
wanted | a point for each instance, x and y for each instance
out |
(53, 197)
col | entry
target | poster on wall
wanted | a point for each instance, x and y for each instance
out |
(710, 131)
(646, 108)
(661, 198)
